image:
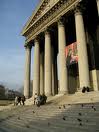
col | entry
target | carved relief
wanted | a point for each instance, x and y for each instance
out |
(49, 5)
(79, 9)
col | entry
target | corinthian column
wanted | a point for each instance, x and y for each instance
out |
(27, 72)
(56, 77)
(98, 6)
(62, 59)
(82, 50)
(98, 22)
(48, 64)
(41, 74)
(98, 34)
(36, 73)
(53, 72)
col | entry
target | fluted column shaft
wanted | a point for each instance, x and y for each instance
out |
(27, 72)
(98, 34)
(62, 59)
(82, 50)
(98, 6)
(56, 77)
(48, 64)
(36, 73)
(53, 73)
(98, 22)
(41, 74)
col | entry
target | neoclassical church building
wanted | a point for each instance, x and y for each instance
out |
(67, 30)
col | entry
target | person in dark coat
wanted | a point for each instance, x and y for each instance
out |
(44, 98)
(35, 97)
(23, 100)
(19, 100)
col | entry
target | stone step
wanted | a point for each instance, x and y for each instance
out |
(41, 116)
(58, 124)
(84, 113)
(73, 127)
(69, 111)
(50, 118)
(66, 107)
(71, 116)
(14, 126)
(57, 119)
(5, 129)
(68, 114)
(88, 119)
(31, 126)
(20, 123)
(60, 110)
(74, 124)
(82, 110)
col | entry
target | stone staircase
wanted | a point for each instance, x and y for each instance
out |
(62, 117)
(78, 97)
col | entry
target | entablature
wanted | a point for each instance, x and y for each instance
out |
(43, 7)
(50, 17)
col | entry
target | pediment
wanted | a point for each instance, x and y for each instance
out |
(41, 9)
(49, 5)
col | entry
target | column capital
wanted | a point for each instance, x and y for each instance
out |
(61, 21)
(36, 40)
(28, 46)
(79, 9)
(47, 31)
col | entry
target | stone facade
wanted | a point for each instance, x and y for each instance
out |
(54, 25)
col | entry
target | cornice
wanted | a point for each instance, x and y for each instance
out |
(40, 11)
(31, 17)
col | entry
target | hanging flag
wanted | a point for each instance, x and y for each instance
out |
(71, 53)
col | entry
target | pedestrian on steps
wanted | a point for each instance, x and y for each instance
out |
(16, 101)
(35, 96)
(23, 100)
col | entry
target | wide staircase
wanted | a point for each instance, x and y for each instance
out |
(54, 117)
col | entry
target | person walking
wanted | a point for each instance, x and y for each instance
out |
(23, 100)
(35, 97)
(19, 100)
(38, 101)
(16, 101)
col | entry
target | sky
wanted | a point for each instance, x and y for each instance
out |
(13, 16)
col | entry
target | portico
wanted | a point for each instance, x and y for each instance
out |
(48, 28)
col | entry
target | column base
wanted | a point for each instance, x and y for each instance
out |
(79, 90)
(63, 92)
(26, 97)
(48, 94)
